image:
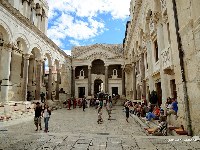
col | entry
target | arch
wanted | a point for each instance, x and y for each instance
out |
(49, 58)
(97, 56)
(8, 33)
(22, 37)
(36, 52)
(21, 44)
(36, 49)
(98, 67)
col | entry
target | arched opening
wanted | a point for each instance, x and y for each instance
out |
(98, 86)
(4, 36)
(32, 73)
(98, 67)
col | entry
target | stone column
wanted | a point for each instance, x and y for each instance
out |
(73, 81)
(38, 79)
(30, 71)
(5, 60)
(89, 81)
(25, 8)
(123, 82)
(134, 82)
(50, 83)
(106, 79)
(57, 84)
(25, 77)
(43, 71)
(142, 68)
(161, 46)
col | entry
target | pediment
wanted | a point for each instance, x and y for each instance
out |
(97, 52)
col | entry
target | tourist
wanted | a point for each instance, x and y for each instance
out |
(84, 103)
(168, 103)
(69, 104)
(46, 115)
(37, 118)
(42, 96)
(126, 105)
(161, 130)
(100, 120)
(174, 108)
(108, 108)
(74, 103)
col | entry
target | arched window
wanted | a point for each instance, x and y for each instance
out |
(82, 73)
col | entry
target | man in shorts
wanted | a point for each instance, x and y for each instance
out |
(37, 118)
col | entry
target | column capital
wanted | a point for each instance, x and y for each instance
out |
(89, 67)
(50, 67)
(73, 67)
(133, 64)
(26, 56)
(8, 47)
(39, 61)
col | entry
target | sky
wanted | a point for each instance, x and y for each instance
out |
(87, 22)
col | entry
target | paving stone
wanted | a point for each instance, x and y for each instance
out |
(78, 130)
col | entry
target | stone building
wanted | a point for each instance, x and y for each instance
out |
(161, 53)
(98, 68)
(25, 52)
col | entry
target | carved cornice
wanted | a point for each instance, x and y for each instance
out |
(32, 27)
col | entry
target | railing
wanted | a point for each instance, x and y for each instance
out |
(166, 55)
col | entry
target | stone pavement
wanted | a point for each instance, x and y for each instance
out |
(78, 130)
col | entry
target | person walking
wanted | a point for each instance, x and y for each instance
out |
(108, 108)
(42, 96)
(127, 110)
(84, 103)
(46, 115)
(37, 118)
(100, 120)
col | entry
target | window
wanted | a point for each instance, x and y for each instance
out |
(156, 50)
(115, 72)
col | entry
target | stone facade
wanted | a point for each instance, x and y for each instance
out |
(153, 60)
(25, 52)
(97, 68)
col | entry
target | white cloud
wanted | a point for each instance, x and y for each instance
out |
(74, 43)
(78, 20)
(68, 52)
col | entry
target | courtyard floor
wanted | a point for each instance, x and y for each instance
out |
(78, 130)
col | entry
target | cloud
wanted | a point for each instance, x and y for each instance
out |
(68, 52)
(74, 43)
(80, 20)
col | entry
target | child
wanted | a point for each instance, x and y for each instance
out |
(100, 120)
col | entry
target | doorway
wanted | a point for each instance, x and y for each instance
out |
(173, 89)
(114, 91)
(159, 93)
(98, 86)
(81, 92)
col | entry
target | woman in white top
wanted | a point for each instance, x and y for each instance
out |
(46, 115)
